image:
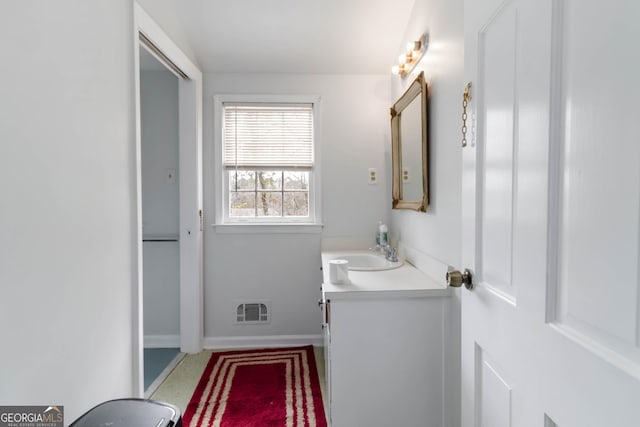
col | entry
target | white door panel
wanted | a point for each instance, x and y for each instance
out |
(551, 214)
(494, 392)
(489, 184)
(496, 58)
(598, 202)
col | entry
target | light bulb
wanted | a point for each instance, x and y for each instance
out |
(395, 70)
(402, 58)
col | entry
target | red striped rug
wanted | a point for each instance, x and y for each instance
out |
(269, 387)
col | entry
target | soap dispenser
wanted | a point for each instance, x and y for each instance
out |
(383, 232)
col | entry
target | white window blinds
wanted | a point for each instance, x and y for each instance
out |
(268, 135)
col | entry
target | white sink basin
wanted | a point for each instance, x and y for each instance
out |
(369, 262)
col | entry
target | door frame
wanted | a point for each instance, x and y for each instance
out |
(190, 188)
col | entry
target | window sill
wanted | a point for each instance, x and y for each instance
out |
(252, 228)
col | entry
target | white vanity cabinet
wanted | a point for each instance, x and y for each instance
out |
(384, 344)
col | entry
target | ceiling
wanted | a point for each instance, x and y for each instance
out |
(288, 36)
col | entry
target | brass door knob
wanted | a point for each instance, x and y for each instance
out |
(455, 279)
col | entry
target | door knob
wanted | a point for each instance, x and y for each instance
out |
(455, 279)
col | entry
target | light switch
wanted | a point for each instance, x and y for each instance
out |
(373, 176)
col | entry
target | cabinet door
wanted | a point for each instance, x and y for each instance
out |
(326, 334)
(386, 362)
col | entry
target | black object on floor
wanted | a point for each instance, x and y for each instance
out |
(131, 413)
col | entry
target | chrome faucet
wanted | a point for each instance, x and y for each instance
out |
(390, 253)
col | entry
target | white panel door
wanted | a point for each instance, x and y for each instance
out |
(551, 214)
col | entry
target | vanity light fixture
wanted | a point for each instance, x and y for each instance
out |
(407, 61)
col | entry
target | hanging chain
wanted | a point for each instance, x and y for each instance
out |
(465, 101)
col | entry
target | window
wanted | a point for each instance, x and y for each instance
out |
(268, 162)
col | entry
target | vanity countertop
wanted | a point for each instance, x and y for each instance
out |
(402, 282)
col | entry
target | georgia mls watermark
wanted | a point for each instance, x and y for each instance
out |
(31, 416)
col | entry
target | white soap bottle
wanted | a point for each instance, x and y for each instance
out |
(384, 234)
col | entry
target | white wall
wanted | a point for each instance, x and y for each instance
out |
(285, 268)
(66, 221)
(161, 275)
(437, 232)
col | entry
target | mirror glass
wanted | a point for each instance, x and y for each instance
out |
(409, 143)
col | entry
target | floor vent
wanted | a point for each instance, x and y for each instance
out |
(253, 312)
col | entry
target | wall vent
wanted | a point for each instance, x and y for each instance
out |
(253, 312)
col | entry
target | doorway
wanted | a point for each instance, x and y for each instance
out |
(159, 96)
(181, 182)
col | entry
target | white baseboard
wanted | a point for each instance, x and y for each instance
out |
(216, 343)
(161, 341)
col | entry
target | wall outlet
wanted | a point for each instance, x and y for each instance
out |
(373, 176)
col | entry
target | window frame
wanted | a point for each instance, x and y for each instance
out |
(225, 223)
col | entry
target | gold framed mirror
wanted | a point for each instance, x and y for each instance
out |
(409, 143)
